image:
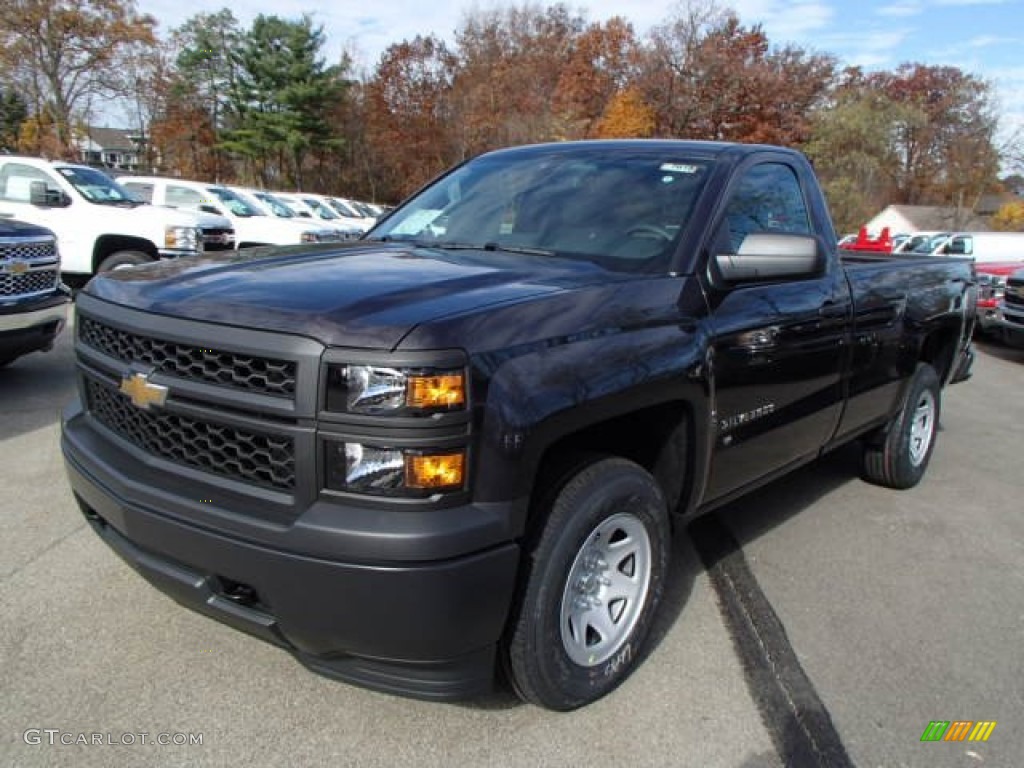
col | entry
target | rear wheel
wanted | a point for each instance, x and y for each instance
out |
(123, 259)
(594, 579)
(901, 456)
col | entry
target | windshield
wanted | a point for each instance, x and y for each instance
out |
(344, 208)
(322, 211)
(276, 206)
(233, 202)
(623, 210)
(96, 186)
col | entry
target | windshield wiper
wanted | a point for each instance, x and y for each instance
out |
(121, 203)
(490, 246)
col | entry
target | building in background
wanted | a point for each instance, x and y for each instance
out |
(112, 148)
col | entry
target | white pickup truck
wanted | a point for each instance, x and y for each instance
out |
(100, 225)
(252, 227)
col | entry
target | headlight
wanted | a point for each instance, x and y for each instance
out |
(310, 237)
(374, 390)
(380, 471)
(183, 238)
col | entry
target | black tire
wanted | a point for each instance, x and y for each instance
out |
(901, 454)
(121, 259)
(608, 521)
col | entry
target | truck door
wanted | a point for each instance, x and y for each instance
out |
(16, 180)
(779, 346)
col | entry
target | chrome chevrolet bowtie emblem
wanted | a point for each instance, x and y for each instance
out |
(17, 267)
(141, 392)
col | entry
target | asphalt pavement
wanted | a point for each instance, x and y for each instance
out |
(819, 621)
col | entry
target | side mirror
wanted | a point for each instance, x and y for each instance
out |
(771, 257)
(47, 198)
(210, 209)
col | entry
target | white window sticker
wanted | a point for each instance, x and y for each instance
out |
(678, 168)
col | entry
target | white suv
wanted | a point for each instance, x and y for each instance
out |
(252, 227)
(98, 223)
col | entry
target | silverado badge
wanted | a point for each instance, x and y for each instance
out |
(141, 392)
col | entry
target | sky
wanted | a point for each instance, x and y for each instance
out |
(981, 37)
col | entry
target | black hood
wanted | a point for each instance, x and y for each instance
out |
(13, 228)
(363, 295)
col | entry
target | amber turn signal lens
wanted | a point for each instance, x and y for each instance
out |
(442, 391)
(438, 472)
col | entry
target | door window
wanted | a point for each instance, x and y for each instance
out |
(767, 199)
(16, 182)
(185, 197)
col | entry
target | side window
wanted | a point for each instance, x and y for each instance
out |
(767, 199)
(140, 191)
(16, 182)
(184, 197)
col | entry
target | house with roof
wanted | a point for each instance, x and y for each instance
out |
(114, 148)
(927, 218)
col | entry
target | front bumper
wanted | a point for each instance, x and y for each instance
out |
(427, 629)
(28, 326)
(1011, 324)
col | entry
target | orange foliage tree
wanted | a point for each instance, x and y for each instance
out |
(626, 117)
(1010, 217)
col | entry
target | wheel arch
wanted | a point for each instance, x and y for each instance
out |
(938, 349)
(108, 244)
(661, 438)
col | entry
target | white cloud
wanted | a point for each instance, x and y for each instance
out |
(901, 9)
(987, 41)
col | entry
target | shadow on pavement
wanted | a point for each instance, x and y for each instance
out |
(35, 388)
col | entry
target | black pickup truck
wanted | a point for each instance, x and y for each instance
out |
(460, 445)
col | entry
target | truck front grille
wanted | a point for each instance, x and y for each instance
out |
(28, 268)
(245, 372)
(239, 454)
(27, 283)
(218, 239)
(37, 251)
(1015, 293)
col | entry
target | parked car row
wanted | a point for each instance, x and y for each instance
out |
(76, 203)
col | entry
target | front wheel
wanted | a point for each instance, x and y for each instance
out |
(593, 582)
(124, 259)
(899, 460)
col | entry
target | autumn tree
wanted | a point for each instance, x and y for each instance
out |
(1009, 218)
(668, 75)
(626, 117)
(707, 76)
(409, 114)
(944, 135)
(64, 53)
(596, 76)
(851, 148)
(510, 63)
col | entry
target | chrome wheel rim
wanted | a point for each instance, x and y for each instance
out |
(922, 428)
(606, 590)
